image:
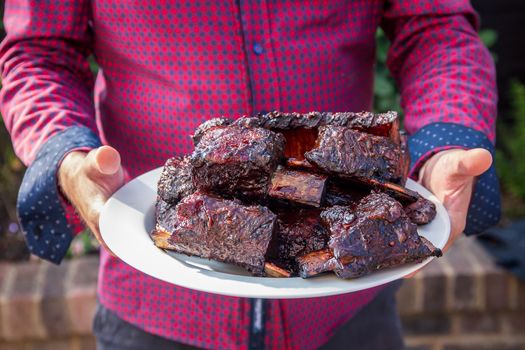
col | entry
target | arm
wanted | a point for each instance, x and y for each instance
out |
(46, 103)
(448, 92)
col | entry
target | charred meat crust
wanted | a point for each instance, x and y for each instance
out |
(208, 125)
(236, 161)
(373, 235)
(421, 212)
(175, 180)
(286, 194)
(381, 124)
(219, 229)
(345, 152)
(299, 232)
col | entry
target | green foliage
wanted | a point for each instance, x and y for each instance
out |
(93, 65)
(489, 37)
(84, 243)
(386, 94)
(511, 144)
(11, 172)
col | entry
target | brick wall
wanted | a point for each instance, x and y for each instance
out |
(462, 301)
(43, 306)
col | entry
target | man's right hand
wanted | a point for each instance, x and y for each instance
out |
(88, 180)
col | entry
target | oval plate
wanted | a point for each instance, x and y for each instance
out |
(129, 216)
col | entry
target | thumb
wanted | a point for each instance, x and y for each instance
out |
(103, 161)
(472, 162)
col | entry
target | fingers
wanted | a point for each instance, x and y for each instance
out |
(473, 162)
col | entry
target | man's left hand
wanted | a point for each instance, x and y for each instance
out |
(450, 176)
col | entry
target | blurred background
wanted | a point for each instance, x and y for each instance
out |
(437, 307)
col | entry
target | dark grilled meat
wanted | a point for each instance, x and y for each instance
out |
(175, 180)
(421, 212)
(348, 153)
(218, 229)
(347, 193)
(299, 232)
(298, 187)
(382, 124)
(174, 184)
(376, 234)
(315, 263)
(236, 161)
(285, 194)
(207, 126)
(401, 193)
(301, 129)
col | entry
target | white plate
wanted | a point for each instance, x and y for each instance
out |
(128, 216)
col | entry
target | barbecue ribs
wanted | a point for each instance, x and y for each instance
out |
(345, 152)
(287, 194)
(236, 161)
(218, 229)
(373, 235)
(299, 232)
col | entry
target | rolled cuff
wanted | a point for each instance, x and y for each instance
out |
(40, 207)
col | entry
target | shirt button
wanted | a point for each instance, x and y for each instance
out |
(258, 49)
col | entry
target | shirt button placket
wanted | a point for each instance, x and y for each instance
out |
(260, 56)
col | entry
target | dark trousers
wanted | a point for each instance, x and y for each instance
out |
(375, 327)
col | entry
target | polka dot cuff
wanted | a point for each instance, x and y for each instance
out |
(40, 211)
(485, 206)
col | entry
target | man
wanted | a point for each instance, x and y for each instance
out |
(168, 66)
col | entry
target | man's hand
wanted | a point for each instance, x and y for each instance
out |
(88, 180)
(450, 176)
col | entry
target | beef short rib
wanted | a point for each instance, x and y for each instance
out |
(301, 129)
(299, 232)
(317, 262)
(422, 211)
(218, 229)
(207, 126)
(349, 153)
(382, 124)
(347, 193)
(174, 184)
(236, 161)
(175, 180)
(373, 235)
(298, 187)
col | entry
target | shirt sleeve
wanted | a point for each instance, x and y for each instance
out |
(448, 91)
(47, 105)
